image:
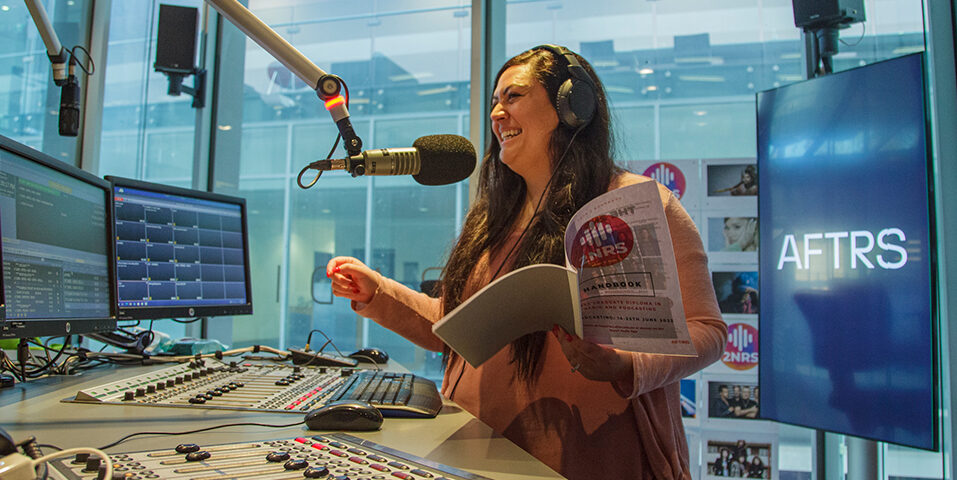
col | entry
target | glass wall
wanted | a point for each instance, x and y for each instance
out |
(29, 100)
(681, 77)
(146, 134)
(404, 82)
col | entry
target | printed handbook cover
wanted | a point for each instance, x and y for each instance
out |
(619, 286)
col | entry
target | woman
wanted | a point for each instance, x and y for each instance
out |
(615, 414)
(740, 234)
(756, 468)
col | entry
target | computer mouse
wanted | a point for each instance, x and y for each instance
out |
(345, 415)
(370, 355)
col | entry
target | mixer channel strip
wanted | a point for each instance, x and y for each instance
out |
(277, 388)
(217, 385)
(328, 456)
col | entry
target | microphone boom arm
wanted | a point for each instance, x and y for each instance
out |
(55, 51)
(327, 86)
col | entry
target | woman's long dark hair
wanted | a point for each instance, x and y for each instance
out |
(586, 170)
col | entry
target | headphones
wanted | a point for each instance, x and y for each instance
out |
(576, 101)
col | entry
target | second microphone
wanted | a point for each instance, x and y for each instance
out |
(432, 160)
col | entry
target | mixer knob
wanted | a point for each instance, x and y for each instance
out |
(232, 364)
(170, 382)
(197, 456)
(140, 392)
(214, 393)
(178, 380)
(197, 399)
(278, 456)
(282, 382)
(295, 464)
(160, 386)
(187, 448)
(151, 389)
(238, 384)
(192, 364)
(296, 369)
(316, 472)
(92, 464)
(187, 377)
(128, 395)
(81, 458)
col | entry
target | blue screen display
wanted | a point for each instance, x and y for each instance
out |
(846, 324)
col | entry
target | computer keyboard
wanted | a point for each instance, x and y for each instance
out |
(394, 394)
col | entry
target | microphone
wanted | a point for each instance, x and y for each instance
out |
(432, 160)
(69, 120)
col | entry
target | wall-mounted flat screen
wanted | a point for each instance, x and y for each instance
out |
(847, 323)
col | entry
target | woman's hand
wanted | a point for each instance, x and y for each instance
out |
(352, 279)
(593, 361)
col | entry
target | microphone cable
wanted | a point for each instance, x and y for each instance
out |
(335, 145)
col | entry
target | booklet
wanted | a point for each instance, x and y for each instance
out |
(619, 286)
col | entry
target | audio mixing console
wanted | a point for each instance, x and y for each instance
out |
(281, 388)
(334, 456)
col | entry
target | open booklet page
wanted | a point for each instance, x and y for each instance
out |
(620, 245)
(526, 300)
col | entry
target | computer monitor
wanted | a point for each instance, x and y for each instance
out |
(847, 324)
(56, 229)
(179, 252)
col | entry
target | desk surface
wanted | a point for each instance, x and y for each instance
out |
(454, 437)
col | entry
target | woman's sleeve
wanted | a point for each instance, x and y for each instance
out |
(404, 311)
(707, 329)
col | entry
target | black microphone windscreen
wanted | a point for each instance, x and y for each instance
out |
(445, 159)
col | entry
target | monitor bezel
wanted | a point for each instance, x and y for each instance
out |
(933, 266)
(26, 328)
(195, 311)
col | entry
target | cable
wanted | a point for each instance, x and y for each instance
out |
(206, 429)
(328, 342)
(331, 151)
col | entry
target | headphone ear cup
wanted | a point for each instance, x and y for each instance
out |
(576, 103)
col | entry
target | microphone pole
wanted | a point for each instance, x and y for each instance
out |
(327, 86)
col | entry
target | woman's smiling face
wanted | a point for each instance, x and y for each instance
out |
(523, 119)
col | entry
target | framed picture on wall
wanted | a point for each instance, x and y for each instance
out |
(738, 455)
(731, 237)
(730, 183)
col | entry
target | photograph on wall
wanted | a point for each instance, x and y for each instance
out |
(732, 237)
(733, 399)
(730, 182)
(740, 352)
(738, 455)
(737, 291)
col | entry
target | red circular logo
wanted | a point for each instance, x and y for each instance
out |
(741, 352)
(602, 241)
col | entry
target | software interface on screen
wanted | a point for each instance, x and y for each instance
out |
(55, 242)
(846, 324)
(175, 250)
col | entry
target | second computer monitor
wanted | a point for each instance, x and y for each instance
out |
(179, 252)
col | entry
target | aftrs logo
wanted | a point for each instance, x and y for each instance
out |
(741, 352)
(602, 241)
(669, 176)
